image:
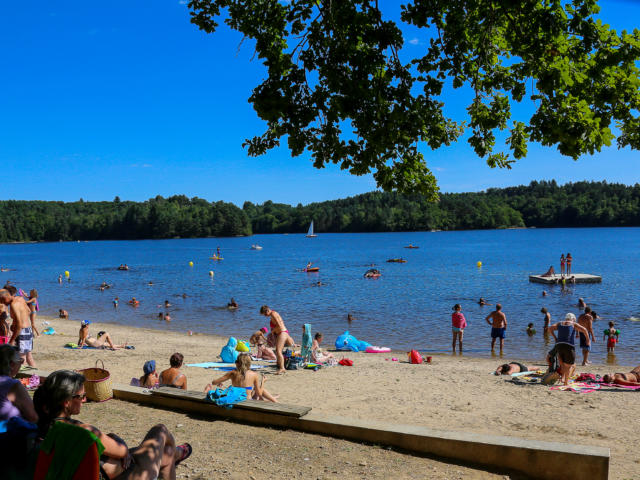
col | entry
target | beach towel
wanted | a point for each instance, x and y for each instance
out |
(578, 387)
(211, 364)
(227, 397)
(228, 369)
(48, 331)
(307, 342)
(87, 347)
(229, 353)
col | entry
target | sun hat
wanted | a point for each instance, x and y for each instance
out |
(264, 329)
(149, 367)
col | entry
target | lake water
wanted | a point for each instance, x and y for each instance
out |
(409, 306)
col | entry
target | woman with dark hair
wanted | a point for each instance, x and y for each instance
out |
(102, 341)
(14, 398)
(172, 376)
(62, 395)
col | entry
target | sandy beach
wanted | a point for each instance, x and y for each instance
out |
(453, 393)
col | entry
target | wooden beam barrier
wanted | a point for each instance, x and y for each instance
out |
(546, 460)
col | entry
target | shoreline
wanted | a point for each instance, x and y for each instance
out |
(453, 392)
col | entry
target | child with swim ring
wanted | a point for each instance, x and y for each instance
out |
(612, 335)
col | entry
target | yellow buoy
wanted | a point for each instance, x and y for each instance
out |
(66, 273)
(211, 273)
(191, 264)
(479, 264)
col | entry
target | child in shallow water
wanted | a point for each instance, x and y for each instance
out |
(244, 377)
(611, 334)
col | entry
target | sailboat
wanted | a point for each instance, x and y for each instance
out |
(310, 232)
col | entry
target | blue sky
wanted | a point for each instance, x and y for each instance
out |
(99, 99)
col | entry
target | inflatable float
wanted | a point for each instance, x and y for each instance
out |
(375, 349)
(396, 260)
(216, 258)
(311, 269)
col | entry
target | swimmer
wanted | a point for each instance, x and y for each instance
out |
(133, 302)
(166, 304)
(150, 283)
(59, 278)
(349, 318)
(547, 320)
(184, 295)
(318, 284)
(115, 302)
(63, 314)
(482, 302)
(581, 304)
(161, 316)
(232, 305)
(530, 330)
(167, 317)
(544, 293)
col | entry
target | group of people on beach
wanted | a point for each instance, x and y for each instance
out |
(21, 308)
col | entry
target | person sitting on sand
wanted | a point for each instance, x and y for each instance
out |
(63, 313)
(513, 367)
(14, 398)
(549, 273)
(62, 395)
(172, 376)
(150, 377)
(103, 339)
(317, 355)
(258, 339)
(244, 377)
(631, 379)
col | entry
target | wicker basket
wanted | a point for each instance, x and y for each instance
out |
(97, 384)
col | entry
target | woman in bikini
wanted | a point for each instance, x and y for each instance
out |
(103, 341)
(244, 377)
(280, 332)
(172, 376)
(562, 263)
(62, 395)
(631, 379)
(569, 260)
(32, 303)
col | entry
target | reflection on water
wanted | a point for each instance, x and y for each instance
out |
(409, 306)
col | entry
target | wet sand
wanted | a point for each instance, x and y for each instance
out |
(453, 392)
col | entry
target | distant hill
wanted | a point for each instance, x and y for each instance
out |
(539, 204)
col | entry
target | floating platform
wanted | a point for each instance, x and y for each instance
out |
(579, 277)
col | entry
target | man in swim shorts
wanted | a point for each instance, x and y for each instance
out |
(498, 326)
(586, 320)
(21, 331)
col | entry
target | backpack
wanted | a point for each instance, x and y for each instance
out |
(293, 363)
(415, 357)
(227, 397)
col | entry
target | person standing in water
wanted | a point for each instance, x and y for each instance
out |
(586, 320)
(458, 324)
(547, 320)
(569, 260)
(498, 326)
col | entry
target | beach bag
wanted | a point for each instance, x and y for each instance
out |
(227, 397)
(97, 383)
(293, 363)
(415, 357)
(345, 362)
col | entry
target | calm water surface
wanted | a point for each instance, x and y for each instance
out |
(408, 307)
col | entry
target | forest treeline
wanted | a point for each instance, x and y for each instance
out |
(539, 204)
(172, 217)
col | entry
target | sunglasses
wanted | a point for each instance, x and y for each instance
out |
(81, 397)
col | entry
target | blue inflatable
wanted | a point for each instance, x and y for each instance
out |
(346, 341)
(229, 353)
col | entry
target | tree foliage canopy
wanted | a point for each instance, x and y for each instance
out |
(339, 85)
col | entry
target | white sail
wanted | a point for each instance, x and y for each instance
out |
(310, 232)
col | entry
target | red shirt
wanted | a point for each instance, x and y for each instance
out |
(458, 320)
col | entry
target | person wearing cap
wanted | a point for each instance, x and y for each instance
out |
(103, 341)
(564, 349)
(458, 324)
(150, 377)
